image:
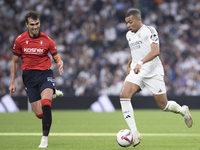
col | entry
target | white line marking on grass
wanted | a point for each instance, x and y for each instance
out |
(97, 134)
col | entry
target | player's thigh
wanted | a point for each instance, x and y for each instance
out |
(129, 89)
(161, 100)
(47, 86)
(33, 94)
(36, 107)
(31, 85)
(133, 83)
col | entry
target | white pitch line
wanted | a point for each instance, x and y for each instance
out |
(98, 134)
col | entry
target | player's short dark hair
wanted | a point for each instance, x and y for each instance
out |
(33, 15)
(134, 12)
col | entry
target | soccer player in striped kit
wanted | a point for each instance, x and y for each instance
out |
(32, 47)
(145, 69)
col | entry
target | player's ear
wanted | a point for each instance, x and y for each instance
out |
(26, 25)
(139, 19)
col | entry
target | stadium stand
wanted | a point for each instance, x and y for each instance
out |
(90, 37)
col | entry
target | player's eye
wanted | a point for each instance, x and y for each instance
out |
(32, 24)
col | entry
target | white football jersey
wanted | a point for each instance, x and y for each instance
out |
(140, 45)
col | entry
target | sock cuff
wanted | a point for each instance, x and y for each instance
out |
(39, 116)
(125, 99)
(46, 102)
(166, 107)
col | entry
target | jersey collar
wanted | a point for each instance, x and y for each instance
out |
(141, 28)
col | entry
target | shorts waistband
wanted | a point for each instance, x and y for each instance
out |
(35, 70)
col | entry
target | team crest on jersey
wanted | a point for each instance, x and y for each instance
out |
(26, 42)
(154, 37)
(139, 35)
(41, 42)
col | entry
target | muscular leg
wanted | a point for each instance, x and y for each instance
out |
(128, 90)
(46, 95)
(166, 105)
(37, 109)
(172, 106)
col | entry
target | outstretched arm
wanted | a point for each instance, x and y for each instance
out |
(13, 70)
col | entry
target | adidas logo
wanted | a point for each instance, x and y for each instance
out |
(159, 91)
(128, 116)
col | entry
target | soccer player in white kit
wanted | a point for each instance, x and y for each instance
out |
(145, 69)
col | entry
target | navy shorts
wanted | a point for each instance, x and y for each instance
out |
(35, 81)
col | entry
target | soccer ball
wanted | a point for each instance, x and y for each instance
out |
(124, 138)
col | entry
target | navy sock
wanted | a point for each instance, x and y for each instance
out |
(46, 119)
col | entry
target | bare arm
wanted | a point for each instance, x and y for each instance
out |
(155, 51)
(59, 63)
(13, 70)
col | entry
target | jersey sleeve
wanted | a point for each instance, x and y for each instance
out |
(153, 35)
(16, 47)
(52, 48)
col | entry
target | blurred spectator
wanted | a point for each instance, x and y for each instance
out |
(90, 38)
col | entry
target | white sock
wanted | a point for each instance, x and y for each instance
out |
(172, 106)
(127, 111)
(45, 138)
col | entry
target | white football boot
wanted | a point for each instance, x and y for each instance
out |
(58, 93)
(43, 143)
(137, 138)
(187, 118)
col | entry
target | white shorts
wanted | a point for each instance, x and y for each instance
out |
(155, 83)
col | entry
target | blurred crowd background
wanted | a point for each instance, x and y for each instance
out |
(90, 38)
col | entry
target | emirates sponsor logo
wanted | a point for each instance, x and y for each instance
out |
(33, 50)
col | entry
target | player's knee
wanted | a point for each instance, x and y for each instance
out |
(39, 116)
(124, 95)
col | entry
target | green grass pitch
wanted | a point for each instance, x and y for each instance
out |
(85, 130)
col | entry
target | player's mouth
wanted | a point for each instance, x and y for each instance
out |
(35, 31)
